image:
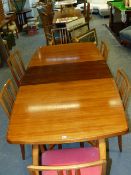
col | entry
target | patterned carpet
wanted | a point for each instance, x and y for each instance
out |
(119, 56)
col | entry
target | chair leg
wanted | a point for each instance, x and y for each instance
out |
(81, 144)
(59, 146)
(120, 143)
(17, 33)
(51, 146)
(22, 147)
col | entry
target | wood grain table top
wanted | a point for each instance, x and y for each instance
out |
(67, 112)
(66, 100)
(66, 53)
(66, 72)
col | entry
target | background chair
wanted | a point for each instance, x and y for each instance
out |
(7, 99)
(78, 31)
(60, 36)
(16, 66)
(104, 50)
(124, 90)
(89, 36)
(90, 160)
(12, 28)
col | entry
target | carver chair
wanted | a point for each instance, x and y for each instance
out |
(104, 50)
(81, 161)
(16, 66)
(124, 90)
(7, 99)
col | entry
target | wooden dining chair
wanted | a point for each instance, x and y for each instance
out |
(81, 161)
(89, 36)
(7, 99)
(60, 36)
(16, 66)
(104, 50)
(124, 90)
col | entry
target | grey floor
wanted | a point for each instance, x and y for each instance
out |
(119, 57)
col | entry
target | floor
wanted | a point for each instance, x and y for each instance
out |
(119, 56)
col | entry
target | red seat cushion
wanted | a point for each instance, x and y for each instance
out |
(72, 156)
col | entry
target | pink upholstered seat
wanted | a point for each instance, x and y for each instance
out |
(70, 157)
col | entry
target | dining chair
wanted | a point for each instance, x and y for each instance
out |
(124, 90)
(89, 36)
(104, 50)
(16, 66)
(78, 30)
(60, 36)
(80, 161)
(7, 99)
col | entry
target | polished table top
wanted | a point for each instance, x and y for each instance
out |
(66, 53)
(65, 2)
(73, 110)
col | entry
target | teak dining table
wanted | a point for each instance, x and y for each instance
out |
(67, 95)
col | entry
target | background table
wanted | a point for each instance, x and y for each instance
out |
(66, 13)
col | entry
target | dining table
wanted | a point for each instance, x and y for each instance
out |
(68, 94)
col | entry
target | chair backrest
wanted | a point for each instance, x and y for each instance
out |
(8, 96)
(123, 86)
(16, 66)
(78, 31)
(104, 50)
(89, 36)
(68, 169)
(60, 36)
(75, 23)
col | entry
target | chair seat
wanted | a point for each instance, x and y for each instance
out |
(70, 157)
